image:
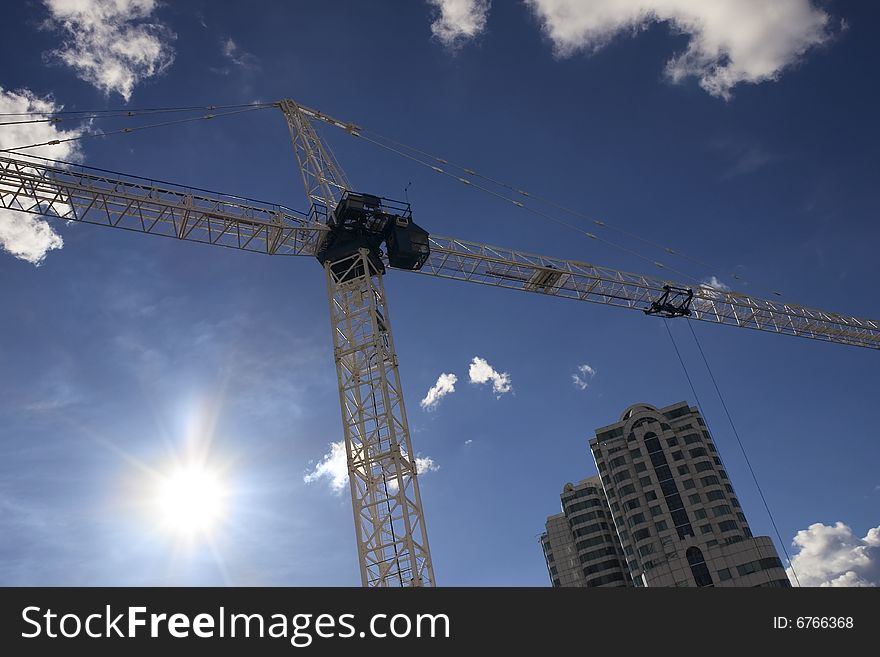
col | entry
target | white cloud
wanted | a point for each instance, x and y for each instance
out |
(445, 385)
(730, 41)
(334, 467)
(27, 236)
(834, 556)
(458, 21)
(111, 44)
(581, 379)
(481, 372)
(715, 284)
(469, 441)
(426, 464)
(239, 57)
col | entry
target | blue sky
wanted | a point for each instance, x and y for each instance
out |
(121, 349)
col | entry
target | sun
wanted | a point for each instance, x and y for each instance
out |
(191, 500)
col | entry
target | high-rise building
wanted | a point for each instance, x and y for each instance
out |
(674, 511)
(580, 544)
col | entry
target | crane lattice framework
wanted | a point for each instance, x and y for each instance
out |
(345, 231)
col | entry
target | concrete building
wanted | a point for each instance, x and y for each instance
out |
(675, 513)
(580, 544)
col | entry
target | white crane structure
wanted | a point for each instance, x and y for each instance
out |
(346, 231)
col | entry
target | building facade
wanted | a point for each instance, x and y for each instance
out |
(580, 544)
(674, 511)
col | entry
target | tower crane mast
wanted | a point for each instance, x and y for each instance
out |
(346, 231)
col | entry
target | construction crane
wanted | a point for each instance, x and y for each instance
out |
(355, 236)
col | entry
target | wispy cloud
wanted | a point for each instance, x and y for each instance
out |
(834, 556)
(730, 41)
(111, 44)
(481, 372)
(747, 157)
(458, 21)
(581, 379)
(27, 236)
(238, 57)
(445, 386)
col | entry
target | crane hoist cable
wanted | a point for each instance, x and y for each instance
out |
(532, 210)
(709, 269)
(735, 433)
(543, 199)
(91, 135)
(130, 112)
(396, 146)
(743, 450)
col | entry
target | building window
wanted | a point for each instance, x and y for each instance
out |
(626, 490)
(760, 564)
(702, 466)
(721, 510)
(684, 530)
(697, 451)
(727, 525)
(677, 456)
(641, 466)
(713, 495)
(691, 438)
(644, 481)
(656, 511)
(724, 574)
(635, 452)
(695, 498)
(699, 569)
(672, 442)
(688, 484)
(641, 534)
(668, 487)
(636, 519)
(711, 480)
(660, 526)
(650, 495)
(674, 502)
(631, 505)
(624, 475)
(700, 514)
(683, 469)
